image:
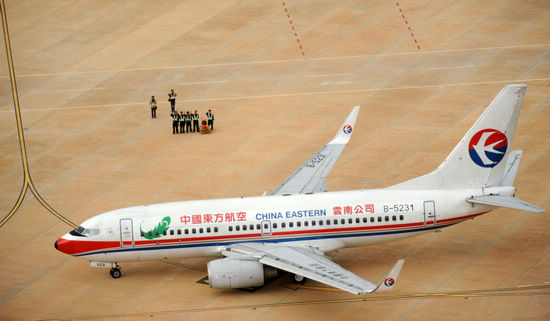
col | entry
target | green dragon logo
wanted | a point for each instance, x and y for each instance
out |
(162, 227)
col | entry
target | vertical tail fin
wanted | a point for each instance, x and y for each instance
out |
(480, 157)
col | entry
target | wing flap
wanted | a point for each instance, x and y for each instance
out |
(305, 262)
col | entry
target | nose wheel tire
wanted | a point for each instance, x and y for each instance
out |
(115, 273)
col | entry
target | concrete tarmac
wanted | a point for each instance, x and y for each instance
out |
(86, 71)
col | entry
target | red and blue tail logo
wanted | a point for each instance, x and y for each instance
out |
(487, 147)
(347, 129)
(389, 282)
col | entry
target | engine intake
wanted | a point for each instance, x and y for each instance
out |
(233, 274)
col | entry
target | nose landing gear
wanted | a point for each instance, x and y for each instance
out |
(115, 272)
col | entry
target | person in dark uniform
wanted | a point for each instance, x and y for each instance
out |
(210, 118)
(188, 119)
(196, 121)
(172, 99)
(153, 104)
(182, 122)
(175, 120)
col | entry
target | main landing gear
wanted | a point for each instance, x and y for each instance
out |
(115, 272)
(297, 279)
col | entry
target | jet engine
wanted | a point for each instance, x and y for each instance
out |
(238, 273)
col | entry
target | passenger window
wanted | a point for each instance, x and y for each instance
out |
(150, 233)
(350, 220)
(186, 231)
(379, 218)
(343, 221)
(257, 226)
(372, 219)
(164, 233)
(357, 220)
(306, 223)
(328, 222)
(335, 221)
(401, 217)
(290, 224)
(208, 230)
(201, 230)
(142, 234)
(274, 225)
(216, 229)
(194, 230)
(179, 232)
(313, 223)
(266, 226)
(283, 225)
(320, 222)
(244, 227)
(298, 224)
(171, 232)
(230, 228)
(387, 218)
(237, 228)
(394, 218)
(365, 220)
(157, 233)
(251, 227)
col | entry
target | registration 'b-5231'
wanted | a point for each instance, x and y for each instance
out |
(292, 229)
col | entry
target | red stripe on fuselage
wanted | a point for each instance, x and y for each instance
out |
(74, 247)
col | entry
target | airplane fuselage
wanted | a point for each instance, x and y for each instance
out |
(324, 221)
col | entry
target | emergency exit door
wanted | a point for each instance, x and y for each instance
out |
(126, 233)
(429, 214)
(266, 228)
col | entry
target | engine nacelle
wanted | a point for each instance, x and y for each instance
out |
(233, 274)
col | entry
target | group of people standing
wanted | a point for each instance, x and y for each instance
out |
(181, 122)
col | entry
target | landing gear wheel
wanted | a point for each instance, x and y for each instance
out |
(297, 279)
(115, 273)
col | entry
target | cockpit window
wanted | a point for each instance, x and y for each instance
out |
(84, 232)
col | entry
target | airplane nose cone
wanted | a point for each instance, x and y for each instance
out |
(65, 246)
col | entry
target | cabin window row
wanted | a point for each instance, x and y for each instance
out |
(320, 222)
(186, 231)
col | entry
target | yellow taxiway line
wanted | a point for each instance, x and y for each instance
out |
(27, 181)
(543, 289)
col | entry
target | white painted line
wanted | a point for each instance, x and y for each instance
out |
(259, 62)
(203, 82)
(451, 67)
(324, 75)
(331, 92)
(70, 90)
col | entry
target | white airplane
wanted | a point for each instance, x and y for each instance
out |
(293, 228)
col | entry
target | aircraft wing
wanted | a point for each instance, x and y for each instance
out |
(311, 177)
(311, 264)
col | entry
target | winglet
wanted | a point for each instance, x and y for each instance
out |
(390, 279)
(344, 132)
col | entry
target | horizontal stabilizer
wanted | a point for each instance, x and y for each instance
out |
(390, 279)
(505, 201)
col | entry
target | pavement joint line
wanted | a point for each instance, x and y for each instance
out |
(328, 92)
(408, 26)
(275, 61)
(293, 29)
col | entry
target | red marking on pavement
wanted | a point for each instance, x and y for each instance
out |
(294, 30)
(408, 26)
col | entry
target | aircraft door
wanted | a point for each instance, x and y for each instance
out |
(429, 214)
(266, 228)
(126, 233)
